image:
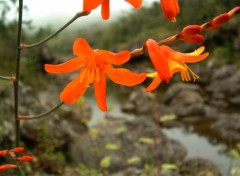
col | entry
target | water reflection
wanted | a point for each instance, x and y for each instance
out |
(199, 146)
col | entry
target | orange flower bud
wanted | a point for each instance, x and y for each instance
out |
(194, 39)
(234, 11)
(220, 19)
(18, 150)
(7, 166)
(3, 152)
(191, 30)
(25, 158)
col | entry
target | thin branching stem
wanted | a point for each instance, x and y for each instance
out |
(8, 78)
(16, 82)
(23, 117)
(76, 16)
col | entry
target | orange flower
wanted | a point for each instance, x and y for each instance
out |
(6, 167)
(89, 5)
(25, 158)
(3, 152)
(95, 64)
(18, 150)
(170, 9)
(167, 62)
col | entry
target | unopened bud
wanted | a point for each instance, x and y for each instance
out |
(25, 159)
(18, 150)
(191, 30)
(7, 166)
(194, 39)
(234, 11)
(3, 152)
(220, 19)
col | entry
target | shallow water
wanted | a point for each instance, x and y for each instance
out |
(199, 146)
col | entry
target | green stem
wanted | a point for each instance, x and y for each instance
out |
(22, 117)
(79, 14)
(7, 78)
(230, 167)
(16, 82)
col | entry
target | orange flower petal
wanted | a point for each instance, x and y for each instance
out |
(124, 76)
(159, 58)
(81, 48)
(100, 91)
(105, 9)
(170, 8)
(73, 91)
(156, 81)
(194, 56)
(175, 66)
(115, 58)
(89, 5)
(66, 67)
(135, 3)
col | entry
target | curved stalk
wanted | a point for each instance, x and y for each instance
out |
(23, 117)
(7, 78)
(78, 15)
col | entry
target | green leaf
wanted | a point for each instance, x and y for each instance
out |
(134, 160)
(235, 154)
(146, 140)
(106, 162)
(95, 150)
(167, 118)
(169, 166)
(111, 146)
(93, 132)
(120, 130)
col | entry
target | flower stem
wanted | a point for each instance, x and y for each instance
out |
(22, 117)
(76, 16)
(16, 82)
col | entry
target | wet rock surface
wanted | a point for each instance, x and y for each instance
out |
(129, 143)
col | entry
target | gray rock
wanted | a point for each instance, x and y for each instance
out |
(139, 102)
(226, 81)
(174, 90)
(168, 150)
(228, 125)
(185, 100)
(200, 167)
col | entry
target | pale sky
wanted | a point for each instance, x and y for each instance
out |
(47, 12)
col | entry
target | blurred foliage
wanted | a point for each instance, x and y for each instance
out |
(83, 170)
